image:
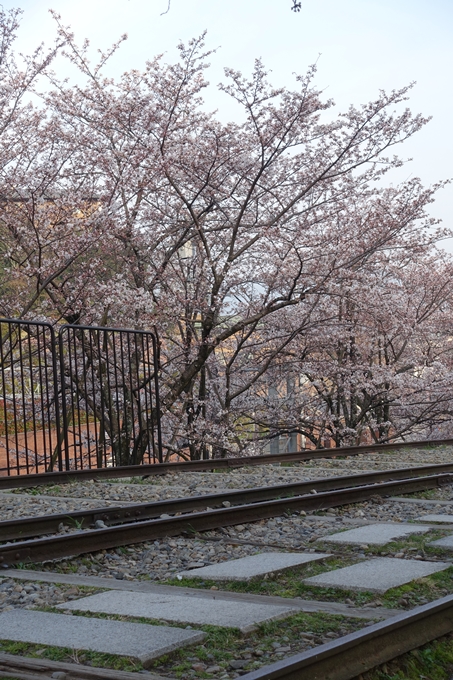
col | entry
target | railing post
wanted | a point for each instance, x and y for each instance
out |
(80, 384)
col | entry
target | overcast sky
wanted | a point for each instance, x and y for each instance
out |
(362, 45)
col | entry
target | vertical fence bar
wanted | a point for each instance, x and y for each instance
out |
(116, 426)
(75, 384)
(26, 384)
(41, 384)
(5, 403)
(130, 389)
(157, 399)
(144, 408)
(88, 378)
(58, 385)
(95, 418)
(64, 410)
(81, 379)
(24, 409)
(13, 401)
(106, 398)
(32, 395)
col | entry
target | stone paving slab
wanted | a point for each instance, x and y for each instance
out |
(253, 566)
(446, 542)
(417, 501)
(375, 534)
(447, 519)
(378, 575)
(181, 609)
(139, 641)
(239, 598)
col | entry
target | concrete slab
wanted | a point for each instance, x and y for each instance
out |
(417, 501)
(139, 641)
(238, 598)
(378, 575)
(253, 566)
(445, 519)
(446, 542)
(375, 534)
(181, 609)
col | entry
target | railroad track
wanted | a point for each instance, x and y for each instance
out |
(35, 526)
(195, 514)
(354, 654)
(13, 667)
(343, 659)
(66, 476)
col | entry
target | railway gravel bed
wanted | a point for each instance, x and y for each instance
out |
(14, 506)
(17, 595)
(187, 484)
(163, 559)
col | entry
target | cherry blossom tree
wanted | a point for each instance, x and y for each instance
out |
(378, 366)
(134, 205)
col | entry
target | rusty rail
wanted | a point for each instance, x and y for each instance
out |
(64, 477)
(35, 526)
(23, 668)
(84, 541)
(354, 654)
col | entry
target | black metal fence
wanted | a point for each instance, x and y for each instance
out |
(82, 397)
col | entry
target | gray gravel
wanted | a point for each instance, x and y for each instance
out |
(14, 506)
(164, 559)
(251, 653)
(188, 484)
(15, 595)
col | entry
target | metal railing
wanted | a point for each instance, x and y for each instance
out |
(82, 397)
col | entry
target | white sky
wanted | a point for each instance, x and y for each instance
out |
(365, 45)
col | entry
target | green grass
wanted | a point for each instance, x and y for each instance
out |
(70, 655)
(221, 645)
(414, 544)
(284, 584)
(428, 494)
(44, 489)
(433, 661)
(290, 584)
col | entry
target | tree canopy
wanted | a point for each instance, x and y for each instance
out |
(291, 289)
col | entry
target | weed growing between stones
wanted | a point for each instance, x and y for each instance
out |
(289, 584)
(409, 544)
(427, 495)
(410, 547)
(70, 655)
(433, 661)
(224, 650)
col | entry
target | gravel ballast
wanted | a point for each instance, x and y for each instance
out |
(163, 559)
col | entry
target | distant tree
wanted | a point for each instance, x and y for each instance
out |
(378, 364)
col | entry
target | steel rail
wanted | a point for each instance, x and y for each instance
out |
(66, 476)
(84, 541)
(34, 526)
(26, 668)
(354, 654)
